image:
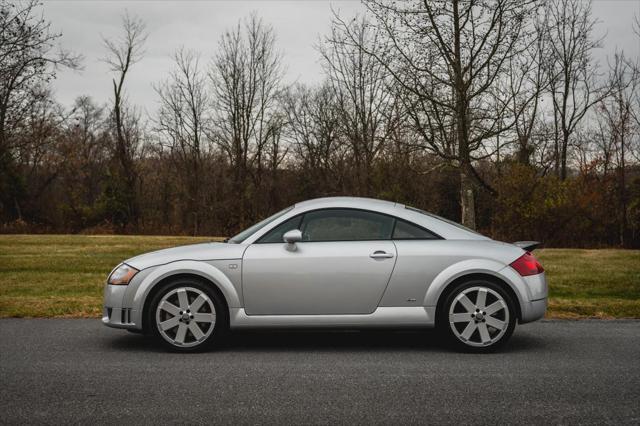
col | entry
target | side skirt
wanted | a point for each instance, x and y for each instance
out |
(419, 316)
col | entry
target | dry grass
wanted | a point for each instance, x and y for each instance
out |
(63, 275)
(592, 283)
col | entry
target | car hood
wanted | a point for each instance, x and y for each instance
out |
(203, 251)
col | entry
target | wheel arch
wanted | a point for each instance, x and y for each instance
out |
(486, 269)
(446, 291)
(158, 286)
(200, 271)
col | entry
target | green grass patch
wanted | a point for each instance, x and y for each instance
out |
(63, 275)
(592, 283)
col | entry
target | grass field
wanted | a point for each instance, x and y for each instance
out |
(63, 275)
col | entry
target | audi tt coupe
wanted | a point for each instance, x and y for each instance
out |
(333, 262)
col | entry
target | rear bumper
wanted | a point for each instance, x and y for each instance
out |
(537, 291)
(114, 313)
(531, 291)
(533, 310)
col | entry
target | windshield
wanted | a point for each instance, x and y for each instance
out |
(435, 216)
(237, 239)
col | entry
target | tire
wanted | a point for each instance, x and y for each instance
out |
(187, 315)
(471, 325)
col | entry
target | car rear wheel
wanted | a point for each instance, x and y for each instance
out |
(478, 316)
(187, 315)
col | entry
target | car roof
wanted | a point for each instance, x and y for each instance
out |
(362, 202)
(439, 226)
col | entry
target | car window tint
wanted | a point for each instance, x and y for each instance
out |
(345, 225)
(435, 216)
(408, 231)
(276, 234)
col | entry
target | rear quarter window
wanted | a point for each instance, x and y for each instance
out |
(408, 231)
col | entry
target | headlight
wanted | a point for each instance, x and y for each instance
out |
(122, 275)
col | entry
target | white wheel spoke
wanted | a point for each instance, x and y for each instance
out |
(495, 322)
(479, 317)
(198, 303)
(484, 333)
(204, 317)
(170, 323)
(460, 317)
(170, 307)
(195, 330)
(182, 332)
(468, 304)
(183, 299)
(481, 300)
(468, 331)
(182, 324)
(494, 307)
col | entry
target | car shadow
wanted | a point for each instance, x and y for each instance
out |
(334, 340)
(358, 340)
(325, 340)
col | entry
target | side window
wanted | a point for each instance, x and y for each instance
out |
(275, 235)
(408, 231)
(345, 225)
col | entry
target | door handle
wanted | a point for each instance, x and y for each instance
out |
(379, 254)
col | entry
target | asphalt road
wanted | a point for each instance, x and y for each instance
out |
(77, 371)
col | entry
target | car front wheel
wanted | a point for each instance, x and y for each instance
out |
(479, 316)
(186, 315)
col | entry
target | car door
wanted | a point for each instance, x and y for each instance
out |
(342, 265)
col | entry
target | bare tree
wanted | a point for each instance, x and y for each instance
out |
(636, 109)
(28, 62)
(245, 75)
(362, 88)
(84, 148)
(526, 83)
(184, 112)
(313, 126)
(572, 72)
(122, 53)
(34, 147)
(617, 112)
(447, 57)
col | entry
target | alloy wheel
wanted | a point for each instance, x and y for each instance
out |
(479, 316)
(185, 316)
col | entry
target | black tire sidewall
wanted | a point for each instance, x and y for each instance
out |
(443, 316)
(220, 326)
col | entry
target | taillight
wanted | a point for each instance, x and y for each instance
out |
(527, 264)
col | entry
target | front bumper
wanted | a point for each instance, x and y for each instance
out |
(114, 313)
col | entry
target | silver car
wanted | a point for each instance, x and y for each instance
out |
(333, 262)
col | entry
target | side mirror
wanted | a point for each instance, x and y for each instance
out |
(292, 236)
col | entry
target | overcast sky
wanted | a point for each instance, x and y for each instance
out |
(199, 24)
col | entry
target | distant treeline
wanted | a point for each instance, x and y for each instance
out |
(493, 113)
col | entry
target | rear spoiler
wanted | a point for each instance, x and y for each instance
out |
(527, 245)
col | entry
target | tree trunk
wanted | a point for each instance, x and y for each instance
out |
(467, 201)
(563, 155)
(524, 151)
(467, 204)
(623, 195)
